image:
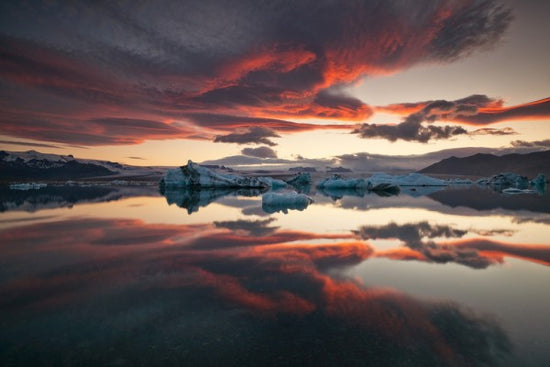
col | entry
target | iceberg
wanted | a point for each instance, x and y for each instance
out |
(275, 202)
(273, 183)
(411, 179)
(301, 181)
(380, 182)
(539, 183)
(339, 182)
(194, 175)
(28, 186)
(507, 179)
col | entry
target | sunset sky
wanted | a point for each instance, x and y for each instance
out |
(158, 83)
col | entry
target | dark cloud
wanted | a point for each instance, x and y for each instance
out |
(476, 109)
(37, 145)
(414, 127)
(254, 134)
(493, 131)
(137, 158)
(531, 144)
(408, 131)
(100, 131)
(65, 64)
(533, 110)
(260, 152)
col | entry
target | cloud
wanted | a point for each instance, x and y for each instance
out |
(254, 134)
(534, 110)
(408, 131)
(414, 127)
(531, 144)
(100, 131)
(38, 145)
(260, 152)
(247, 62)
(493, 131)
(477, 109)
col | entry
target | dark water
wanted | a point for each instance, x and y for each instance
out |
(116, 276)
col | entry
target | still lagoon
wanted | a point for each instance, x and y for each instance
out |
(111, 276)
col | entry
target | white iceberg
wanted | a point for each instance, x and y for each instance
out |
(411, 179)
(274, 202)
(28, 186)
(194, 175)
(380, 182)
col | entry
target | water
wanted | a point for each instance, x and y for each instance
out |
(118, 276)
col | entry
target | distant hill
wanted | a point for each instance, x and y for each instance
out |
(33, 165)
(529, 165)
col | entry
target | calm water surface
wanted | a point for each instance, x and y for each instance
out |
(111, 276)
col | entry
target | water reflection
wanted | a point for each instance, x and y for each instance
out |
(227, 293)
(193, 199)
(478, 253)
(65, 196)
(487, 199)
(116, 284)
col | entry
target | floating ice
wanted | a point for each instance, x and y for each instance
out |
(507, 179)
(301, 181)
(339, 182)
(411, 179)
(274, 202)
(539, 182)
(193, 175)
(28, 186)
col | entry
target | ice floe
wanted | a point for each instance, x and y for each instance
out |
(411, 179)
(274, 202)
(194, 175)
(507, 179)
(28, 186)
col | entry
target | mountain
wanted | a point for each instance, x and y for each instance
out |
(32, 165)
(529, 165)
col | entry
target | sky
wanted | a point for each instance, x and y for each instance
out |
(159, 83)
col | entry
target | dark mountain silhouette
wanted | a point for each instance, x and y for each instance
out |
(529, 165)
(16, 168)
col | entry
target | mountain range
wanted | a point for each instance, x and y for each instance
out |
(529, 165)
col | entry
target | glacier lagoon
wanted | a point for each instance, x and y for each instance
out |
(125, 276)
